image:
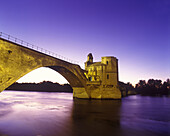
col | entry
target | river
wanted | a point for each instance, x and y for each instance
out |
(58, 114)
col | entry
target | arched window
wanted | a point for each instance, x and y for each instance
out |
(107, 76)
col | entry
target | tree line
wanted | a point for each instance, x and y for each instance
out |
(45, 86)
(153, 87)
(150, 88)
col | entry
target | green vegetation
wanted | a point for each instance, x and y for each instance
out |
(153, 87)
(45, 86)
(150, 88)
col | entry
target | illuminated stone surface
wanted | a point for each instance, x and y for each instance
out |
(98, 80)
(102, 78)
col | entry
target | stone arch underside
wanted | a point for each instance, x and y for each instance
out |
(68, 75)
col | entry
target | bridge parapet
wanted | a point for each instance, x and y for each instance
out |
(34, 47)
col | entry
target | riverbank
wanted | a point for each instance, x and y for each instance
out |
(45, 86)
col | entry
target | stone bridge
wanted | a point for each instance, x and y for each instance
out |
(17, 60)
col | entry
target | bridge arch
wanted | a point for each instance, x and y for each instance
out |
(68, 75)
(16, 61)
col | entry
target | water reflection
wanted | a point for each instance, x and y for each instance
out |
(147, 116)
(96, 117)
(57, 114)
(35, 114)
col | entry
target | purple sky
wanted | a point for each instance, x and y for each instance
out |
(137, 32)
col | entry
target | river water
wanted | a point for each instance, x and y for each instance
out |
(58, 114)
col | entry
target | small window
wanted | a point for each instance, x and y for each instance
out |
(107, 62)
(90, 78)
(107, 76)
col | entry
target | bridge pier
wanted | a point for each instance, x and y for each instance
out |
(80, 92)
(93, 92)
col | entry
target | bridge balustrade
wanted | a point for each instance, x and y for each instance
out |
(34, 47)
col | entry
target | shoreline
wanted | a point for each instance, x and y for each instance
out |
(39, 91)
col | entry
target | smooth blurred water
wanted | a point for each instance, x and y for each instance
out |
(58, 114)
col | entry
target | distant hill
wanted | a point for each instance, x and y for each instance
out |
(45, 86)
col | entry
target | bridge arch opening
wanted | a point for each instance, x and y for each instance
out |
(43, 74)
(72, 75)
(43, 79)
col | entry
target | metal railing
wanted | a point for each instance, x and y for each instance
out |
(34, 47)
